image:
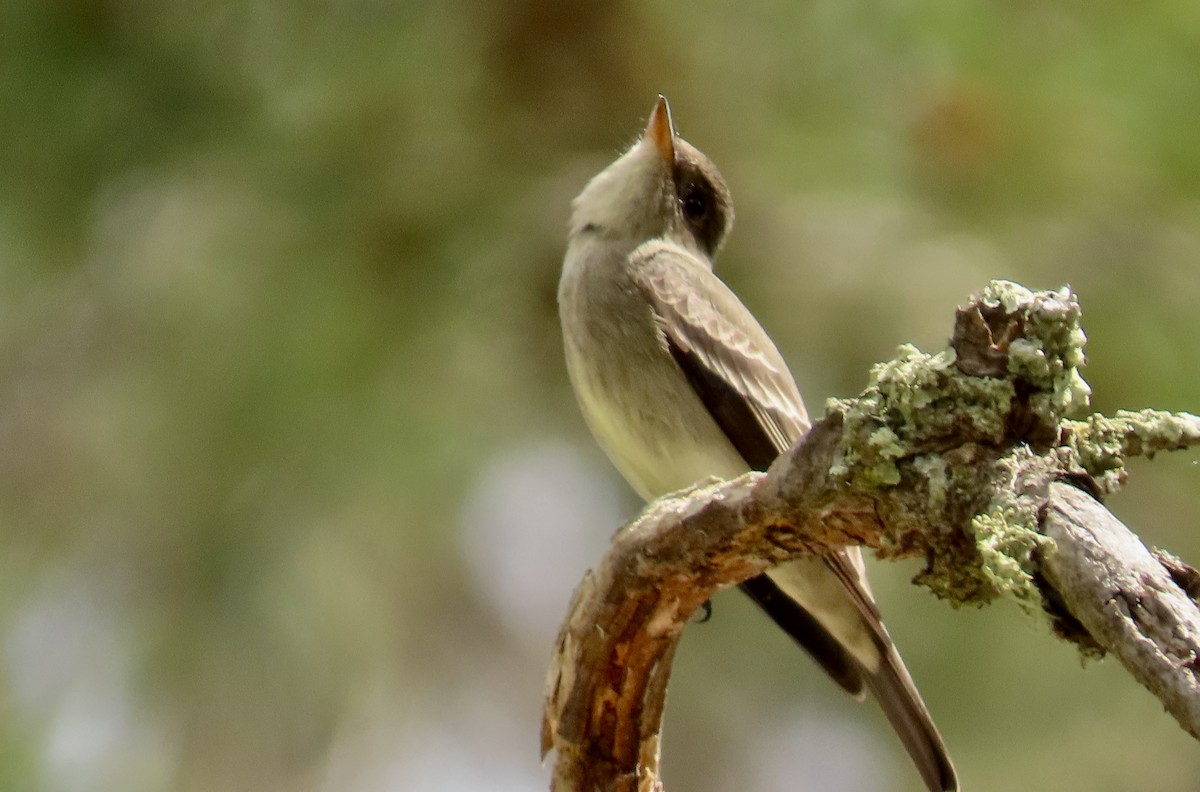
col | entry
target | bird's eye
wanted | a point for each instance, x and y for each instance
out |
(695, 206)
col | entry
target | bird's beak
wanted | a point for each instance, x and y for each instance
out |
(660, 131)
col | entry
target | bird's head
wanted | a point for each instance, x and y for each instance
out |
(661, 187)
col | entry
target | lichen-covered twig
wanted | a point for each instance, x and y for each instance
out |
(961, 457)
(1103, 444)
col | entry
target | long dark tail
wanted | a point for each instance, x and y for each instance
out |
(891, 684)
(902, 704)
(808, 633)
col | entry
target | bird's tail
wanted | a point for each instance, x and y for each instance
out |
(901, 703)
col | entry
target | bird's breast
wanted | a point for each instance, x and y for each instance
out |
(635, 399)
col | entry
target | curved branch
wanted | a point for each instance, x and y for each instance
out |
(957, 457)
(607, 685)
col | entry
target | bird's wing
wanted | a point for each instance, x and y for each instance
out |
(725, 354)
(739, 375)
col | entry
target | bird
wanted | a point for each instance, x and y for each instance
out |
(678, 383)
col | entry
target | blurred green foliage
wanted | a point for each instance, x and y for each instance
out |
(278, 293)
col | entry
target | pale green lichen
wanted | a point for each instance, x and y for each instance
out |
(1101, 445)
(1009, 295)
(1009, 414)
(918, 403)
(933, 469)
(1050, 353)
(1006, 536)
(911, 401)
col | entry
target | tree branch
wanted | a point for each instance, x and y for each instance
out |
(1126, 599)
(959, 457)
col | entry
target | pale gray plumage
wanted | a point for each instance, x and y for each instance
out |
(679, 382)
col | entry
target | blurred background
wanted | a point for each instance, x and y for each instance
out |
(293, 489)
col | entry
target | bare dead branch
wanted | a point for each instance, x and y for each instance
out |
(957, 457)
(1126, 599)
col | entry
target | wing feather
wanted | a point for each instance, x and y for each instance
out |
(723, 351)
